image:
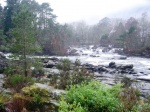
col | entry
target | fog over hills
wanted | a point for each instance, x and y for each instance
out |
(135, 12)
(132, 12)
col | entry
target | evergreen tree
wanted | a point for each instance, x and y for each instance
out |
(24, 41)
(10, 9)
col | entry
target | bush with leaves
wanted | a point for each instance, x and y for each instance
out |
(64, 65)
(3, 100)
(37, 98)
(17, 82)
(69, 77)
(97, 97)
(74, 107)
(94, 97)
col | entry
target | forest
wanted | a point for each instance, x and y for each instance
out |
(106, 70)
(133, 34)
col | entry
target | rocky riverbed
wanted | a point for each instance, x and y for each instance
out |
(108, 67)
(109, 74)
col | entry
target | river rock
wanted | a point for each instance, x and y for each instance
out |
(123, 58)
(73, 52)
(125, 67)
(55, 93)
(3, 64)
(106, 49)
(2, 55)
(89, 67)
(145, 78)
(49, 64)
(37, 73)
(112, 65)
(102, 69)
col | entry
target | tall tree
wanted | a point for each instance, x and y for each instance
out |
(24, 41)
(9, 10)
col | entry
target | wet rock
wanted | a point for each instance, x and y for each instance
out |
(51, 71)
(133, 72)
(49, 64)
(142, 72)
(112, 65)
(73, 52)
(119, 51)
(55, 93)
(3, 64)
(123, 58)
(125, 67)
(102, 69)
(93, 56)
(50, 75)
(37, 73)
(1, 76)
(123, 71)
(145, 78)
(90, 67)
(45, 60)
(94, 47)
(2, 55)
(107, 49)
(54, 59)
(84, 54)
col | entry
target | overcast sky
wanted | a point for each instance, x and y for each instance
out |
(90, 10)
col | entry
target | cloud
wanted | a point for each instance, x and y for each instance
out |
(90, 10)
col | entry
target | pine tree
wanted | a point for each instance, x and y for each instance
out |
(24, 41)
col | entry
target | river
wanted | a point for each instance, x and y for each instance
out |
(96, 57)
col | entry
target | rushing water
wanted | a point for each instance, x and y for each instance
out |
(97, 57)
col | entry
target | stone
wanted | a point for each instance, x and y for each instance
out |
(49, 64)
(73, 52)
(145, 78)
(123, 58)
(112, 65)
(102, 69)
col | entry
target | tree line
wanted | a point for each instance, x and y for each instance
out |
(133, 34)
(52, 38)
(34, 23)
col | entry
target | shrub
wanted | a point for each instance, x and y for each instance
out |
(65, 65)
(3, 99)
(66, 78)
(131, 102)
(16, 105)
(18, 81)
(127, 82)
(69, 77)
(94, 97)
(33, 89)
(66, 107)
(37, 98)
